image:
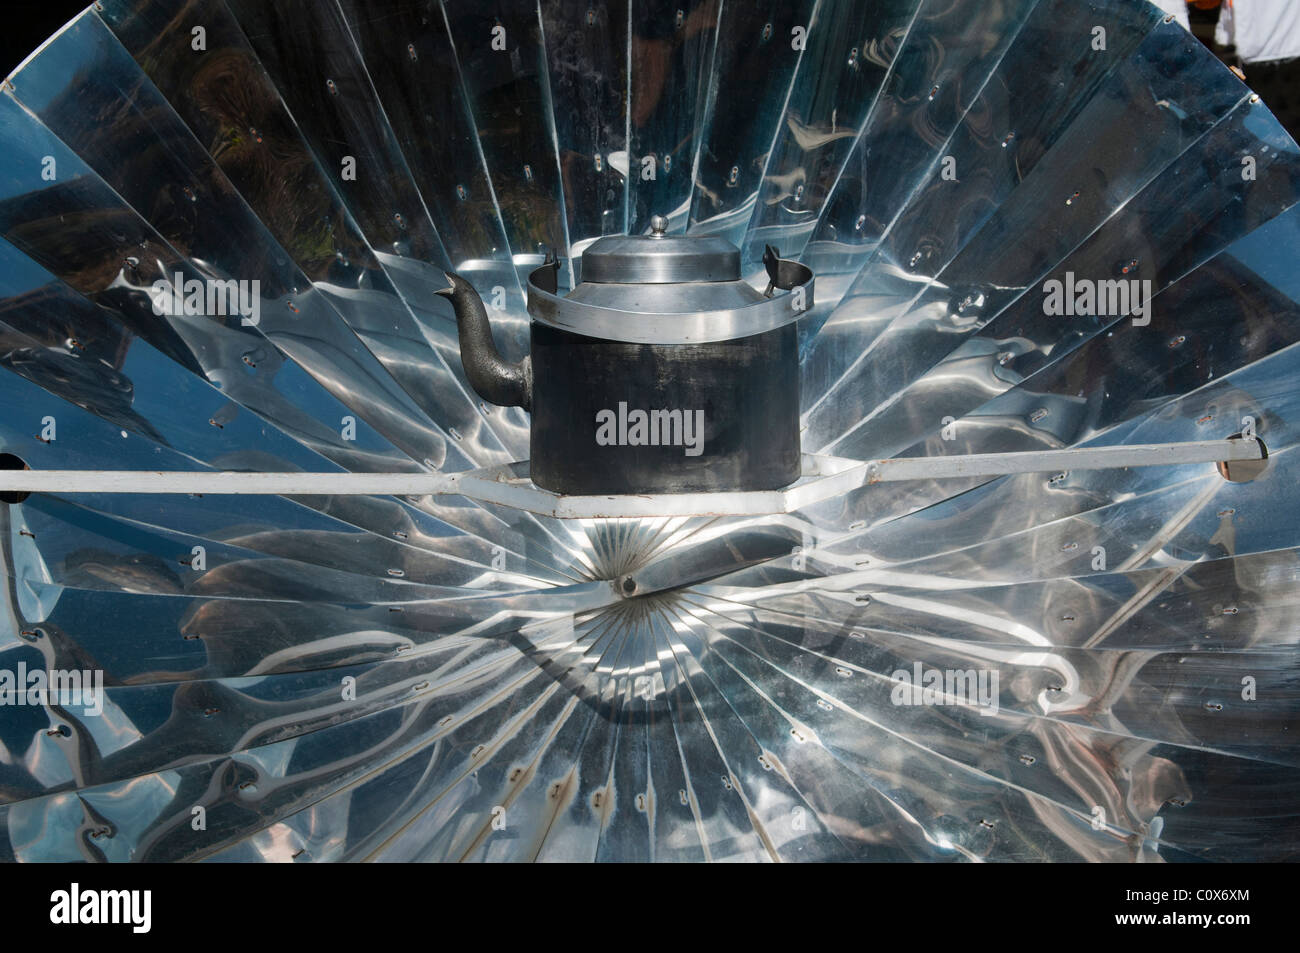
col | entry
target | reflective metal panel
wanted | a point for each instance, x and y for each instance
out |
(1031, 667)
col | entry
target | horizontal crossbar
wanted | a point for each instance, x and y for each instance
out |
(824, 477)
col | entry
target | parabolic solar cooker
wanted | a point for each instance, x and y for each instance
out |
(421, 438)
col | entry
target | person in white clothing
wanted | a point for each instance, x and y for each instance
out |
(1263, 38)
(1263, 31)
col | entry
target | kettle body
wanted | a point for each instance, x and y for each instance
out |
(662, 372)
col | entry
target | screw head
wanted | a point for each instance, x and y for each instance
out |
(658, 225)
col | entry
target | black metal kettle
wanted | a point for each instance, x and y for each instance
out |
(662, 372)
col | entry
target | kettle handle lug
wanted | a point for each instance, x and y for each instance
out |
(781, 273)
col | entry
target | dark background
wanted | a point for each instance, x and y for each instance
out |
(26, 24)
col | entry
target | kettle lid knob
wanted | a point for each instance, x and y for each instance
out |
(658, 225)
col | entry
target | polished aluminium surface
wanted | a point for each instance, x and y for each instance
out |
(659, 687)
(660, 259)
(684, 324)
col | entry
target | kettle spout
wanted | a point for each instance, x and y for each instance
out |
(494, 378)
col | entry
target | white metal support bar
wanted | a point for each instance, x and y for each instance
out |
(824, 478)
(1084, 458)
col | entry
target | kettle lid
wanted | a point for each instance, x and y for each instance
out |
(659, 258)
